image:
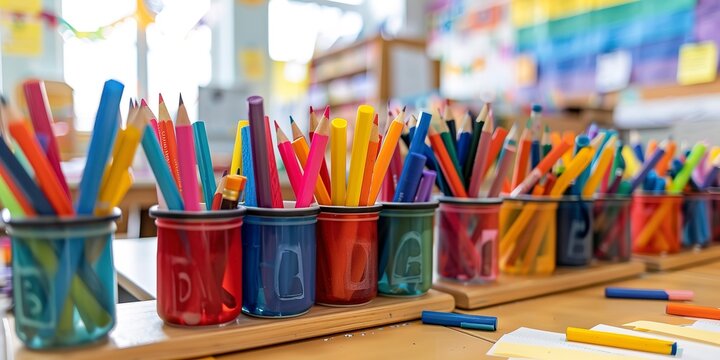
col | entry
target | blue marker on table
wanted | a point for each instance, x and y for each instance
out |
(648, 294)
(474, 322)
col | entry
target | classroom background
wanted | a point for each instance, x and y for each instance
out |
(640, 72)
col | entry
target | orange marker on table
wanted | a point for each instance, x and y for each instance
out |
(697, 311)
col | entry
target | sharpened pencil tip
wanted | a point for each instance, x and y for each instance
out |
(292, 121)
(375, 120)
(311, 109)
(404, 108)
(326, 113)
(143, 103)
(276, 125)
(161, 99)
(181, 100)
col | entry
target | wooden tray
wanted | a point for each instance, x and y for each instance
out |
(510, 288)
(680, 260)
(140, 334)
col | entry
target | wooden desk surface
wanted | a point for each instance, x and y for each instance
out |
(401, 341)
(588, 307)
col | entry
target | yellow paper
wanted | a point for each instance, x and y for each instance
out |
(252, 64)
(709, 337)
(697, 63)
(526, 68)
(551, 353)
(24, 38)
(21, 6)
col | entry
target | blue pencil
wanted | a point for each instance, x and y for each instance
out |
(408, 185)
(463, 146)
(416, 146)
(161, 170)
(204, 161)
(534, 153)
(247, 164)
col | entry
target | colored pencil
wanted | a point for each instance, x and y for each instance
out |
(261, 160)
(387, 149)
(372, 152)
(315, 159)
(477, 127)
(168, 141)
(522, 161)
(338, 156)
(204, 162)
(446, 164)
(289, 160)
(505, 162)
(463, 141)
(186, 159)
(363, 128)
(42, 121)
(301, 148)
(481, 157)
(236, 162)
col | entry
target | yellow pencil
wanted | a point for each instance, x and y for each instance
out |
(236, 164)
(621, 341)
(338, 155)
(578, 163)
(632, 164)
(601, 167)
(123, 160)
(363, 128)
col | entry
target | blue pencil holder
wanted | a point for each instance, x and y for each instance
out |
(574, 231)
(405, 235)
(279, 261)
(697, 229)
(64, 279)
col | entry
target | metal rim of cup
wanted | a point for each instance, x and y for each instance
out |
(351, 209)
(157, 213)
(283, 212)
(546, 199)
(657, 196)
(410, 205)
(469, 201)
(58, 221)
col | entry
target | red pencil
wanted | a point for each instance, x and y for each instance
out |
(277, 201)
(496, 144)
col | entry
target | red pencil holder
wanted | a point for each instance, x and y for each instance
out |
(199, 266)
(468, 239)
(347, 255)
(715, 213)
(656, 224)
(611, 228)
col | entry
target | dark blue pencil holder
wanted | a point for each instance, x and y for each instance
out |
(697, 230)
(279, 261)
(574, 231)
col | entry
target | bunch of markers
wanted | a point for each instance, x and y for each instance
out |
(663, 219)
(62, 258)
(198, 222)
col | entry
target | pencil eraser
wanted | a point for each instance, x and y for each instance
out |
(680, 295)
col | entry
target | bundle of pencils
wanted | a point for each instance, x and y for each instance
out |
(33, 184)
(663, 172)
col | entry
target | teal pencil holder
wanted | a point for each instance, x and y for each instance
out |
(406, 248)
(63, 298)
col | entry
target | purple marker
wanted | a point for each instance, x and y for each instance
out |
(426, 184)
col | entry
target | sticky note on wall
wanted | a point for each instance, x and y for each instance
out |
(23, 38)
(697, 63)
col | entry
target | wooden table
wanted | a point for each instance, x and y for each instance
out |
(588, 307)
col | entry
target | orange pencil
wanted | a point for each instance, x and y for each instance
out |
(44, 173)
(651, 147)
(372, 152)
(662, 167)
(496, 144)
(167, 130)
(446, 165)
(523, 158)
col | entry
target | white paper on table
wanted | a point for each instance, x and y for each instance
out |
(687, 349)
(709, 325)
(553, 340)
